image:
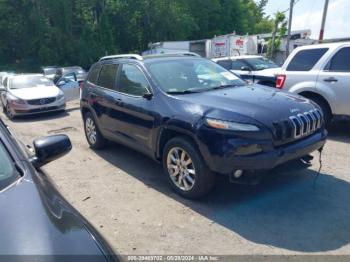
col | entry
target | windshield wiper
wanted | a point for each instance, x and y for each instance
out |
(182, 92)
(223, 86)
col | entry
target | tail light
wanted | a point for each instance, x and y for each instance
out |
(280, 79)
(81, 84)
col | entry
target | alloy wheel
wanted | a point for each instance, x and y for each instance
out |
(90, 129)
(181, 168)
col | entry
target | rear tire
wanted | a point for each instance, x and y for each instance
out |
(92, 133)
(327, 114)
(186, 170)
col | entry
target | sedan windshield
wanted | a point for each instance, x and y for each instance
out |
(19, 82)
(191, 75)
(8, 171)
(261, 63)
(49, 71)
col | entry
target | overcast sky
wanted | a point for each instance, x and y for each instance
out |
(308, 13)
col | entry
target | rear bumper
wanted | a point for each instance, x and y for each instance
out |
(228, 160)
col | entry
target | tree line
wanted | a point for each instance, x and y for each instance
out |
(77, 32)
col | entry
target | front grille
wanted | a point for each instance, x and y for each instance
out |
(41, 101)
(298, 126)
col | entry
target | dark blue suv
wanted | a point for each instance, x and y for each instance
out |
(196, 117)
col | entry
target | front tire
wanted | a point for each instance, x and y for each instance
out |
(92, 133)
(9, 113)
(185, 169)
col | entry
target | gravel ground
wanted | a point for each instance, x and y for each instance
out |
(126, 196)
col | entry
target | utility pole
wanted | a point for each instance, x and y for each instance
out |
(323, 20)
(289, 26)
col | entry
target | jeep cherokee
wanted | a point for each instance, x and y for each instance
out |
(196, 117)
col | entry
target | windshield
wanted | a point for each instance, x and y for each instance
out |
(8, 171)
(195, 75)
(19, 82)
(50, 71)
(261, 63)
(77, 70)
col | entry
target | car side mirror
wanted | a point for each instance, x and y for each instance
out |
(48, 149)
(245, 68)
(148, 96)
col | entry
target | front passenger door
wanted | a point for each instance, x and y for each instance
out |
(336, 76)
(135, 112)
(69, 86)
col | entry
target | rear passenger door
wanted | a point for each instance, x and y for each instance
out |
(103, 98)
(336, 78)
(301, 69)
(134, 117)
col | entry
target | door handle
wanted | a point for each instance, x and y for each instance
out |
(330, 79)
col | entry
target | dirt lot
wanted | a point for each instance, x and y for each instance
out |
(125, 195)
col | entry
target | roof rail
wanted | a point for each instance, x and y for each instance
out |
(130, 56)
(174, 53)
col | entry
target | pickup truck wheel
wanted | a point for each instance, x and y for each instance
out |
(327, 114)
(92, 133)
(187, 172)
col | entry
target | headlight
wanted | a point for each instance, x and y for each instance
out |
(60, 96)
(15, 99)
(227, 125)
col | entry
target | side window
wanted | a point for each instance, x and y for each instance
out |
(341, 61)
(236, 65)
(305, 60)
(93, 74)
(225, 64)
(132, 81)
(108, 76)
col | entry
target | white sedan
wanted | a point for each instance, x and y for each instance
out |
(33, 93)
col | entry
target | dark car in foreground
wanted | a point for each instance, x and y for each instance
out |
(35, 218)
(197, 118)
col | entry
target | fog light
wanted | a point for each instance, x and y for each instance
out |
(238, 173)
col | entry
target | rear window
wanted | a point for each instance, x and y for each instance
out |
(108, 74)
(305, 60)
(93, 74)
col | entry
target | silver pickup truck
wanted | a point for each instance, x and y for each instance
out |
(322, 74)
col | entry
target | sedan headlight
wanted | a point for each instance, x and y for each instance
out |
(228, 125)
(60, 96)
(15, 99)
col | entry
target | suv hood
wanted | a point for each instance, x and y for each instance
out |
(36, 92)
(263, 104)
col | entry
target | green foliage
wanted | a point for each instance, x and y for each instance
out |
(280, 30)
(77, 32)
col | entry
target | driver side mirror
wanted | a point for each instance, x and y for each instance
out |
(245, 68)
(48, 149)
(147, 95)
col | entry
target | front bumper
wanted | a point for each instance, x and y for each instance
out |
(224, 159)
(26, 109)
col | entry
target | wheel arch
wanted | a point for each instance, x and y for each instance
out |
(167, 133)
(310, 95)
